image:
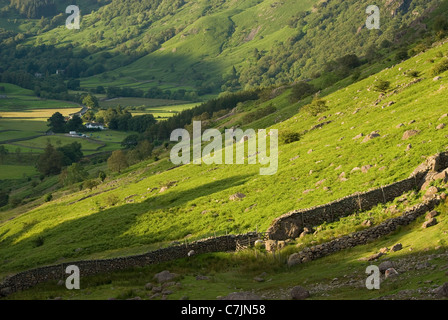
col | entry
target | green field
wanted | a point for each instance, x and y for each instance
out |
(20, 100)
(8, 172)
(197, 200)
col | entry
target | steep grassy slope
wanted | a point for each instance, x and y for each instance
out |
(196, 201)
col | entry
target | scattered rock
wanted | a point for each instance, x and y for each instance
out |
(373, 135)
(365, 169)
(299, 293)
(61, 283)
(148, 286)
(409, 147)
(441, 126)
(429, 223)
(442, 291)
(259, 279)
(399, 126)
(136, 298)
(375, 256)
(165, 276)
(237, 196)
(366, 223)
(391, 272)
(294, 259)
(359, 136)
(397, 247)
(202, 278)
(384, 250)
(156, 289)
(310, 151)
(410, 133)
(385, 266)
(431, 192)
(437, 78)
(431, 215)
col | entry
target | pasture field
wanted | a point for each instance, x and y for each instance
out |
(8, 172)
(60, 140)
(16, 99)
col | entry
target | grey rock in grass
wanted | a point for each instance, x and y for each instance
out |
(391, 273)
(299, 293)
(165, 276)
(397, 247)
(386, 265)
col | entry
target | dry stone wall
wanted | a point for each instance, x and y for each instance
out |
(363, 237)
(292, 224)
(30, 278)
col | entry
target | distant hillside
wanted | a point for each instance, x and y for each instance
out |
(210, 46)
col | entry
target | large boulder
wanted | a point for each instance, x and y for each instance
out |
(442, 292)
(429, 223)
(294, 259)
(299, 293)
(397, 247)
(386, 265)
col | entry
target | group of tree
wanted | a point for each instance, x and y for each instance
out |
(121, 119)
(58, 124)
(54, 159)
(161, 131)
(152, 93)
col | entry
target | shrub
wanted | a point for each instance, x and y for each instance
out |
(48, 197)
(288, 137)
(382, 86)
(112, 200)
(440, 68)
(38, 242)
(413, 74)
(91, 184)
(316, 107)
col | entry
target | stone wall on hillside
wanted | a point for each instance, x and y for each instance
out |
(30, 278)
(292, 224)
(363, 237)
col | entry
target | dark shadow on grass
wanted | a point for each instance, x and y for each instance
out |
(99, 232)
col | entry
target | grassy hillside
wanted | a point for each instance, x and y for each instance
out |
(195, 201)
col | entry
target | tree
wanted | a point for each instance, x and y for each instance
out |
(73, 174)
(102, 175)
(74, 124)
(57, 123)
(130, 141)
(90, 101)
(71, 153)
(316, 107)
(117, 161)
(382, 86)
(302, 90)
(50, 162)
